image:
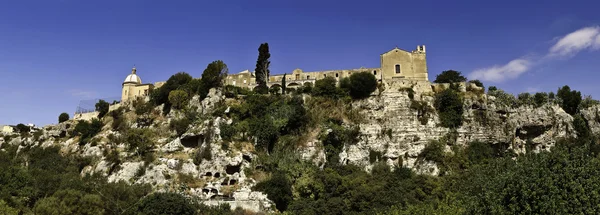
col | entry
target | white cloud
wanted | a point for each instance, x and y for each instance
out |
(576, 41)
(566, 46)
(498, 73)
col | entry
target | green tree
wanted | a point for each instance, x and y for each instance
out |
(22, 128)
(362, 84)
(69, 202)
(262, 65)
(540, 98)
(63, 117)
(278, 188)
(165, 204)
(326, 88)
(102, 108)
(449, 105)
(7, 210)
(570, 99)
(283, 84)
(178, 98)
(449, 76)
(213, 77)
(492, 89)
(161, 95)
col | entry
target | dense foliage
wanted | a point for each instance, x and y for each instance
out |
(262, 65)
(63, 117)
(450, 76)
(102, 108)
(570, 99)
(362, 84)
(449, 105)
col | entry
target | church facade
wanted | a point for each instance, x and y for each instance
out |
(396, 64)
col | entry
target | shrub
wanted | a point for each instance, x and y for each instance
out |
(265, 132)
(86, 130)
(227, 131)
(166, 203)
(275, 90)
(307, 88)
(492, 88)
(540, 99)
(449, 76)
(118, 123)
(362, 84)
(504, 99)
(433, 151)
(423, 110)
(180, 125)
(588, 102)
(374, 156)
(570, 99)
(477, 83)
(278, 188)
(178, 98)
(63, 117)
(142, 107)
(161, 95)
(449, 105)
(524, 99)
(102, 108)
(326, 88)
(22, 128)
(139, 140)
(345, 85)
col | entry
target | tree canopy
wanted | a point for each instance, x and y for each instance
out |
(449, 76)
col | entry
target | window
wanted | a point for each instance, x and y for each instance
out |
(146, 92)
(244, 81)
(325, 75)
(308, 77)
(397, 68)
(233, 83)
(297, 76)
(374, 72)
(336, 75)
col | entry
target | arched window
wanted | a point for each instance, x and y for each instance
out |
(397, 68)
(374, 72)
(308, 77)
(336, 75)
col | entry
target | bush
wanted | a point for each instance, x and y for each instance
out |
(63, 117)
(540, 99)
(227, 131)
(326, 88)
(139, 140)
(275, 90)
(503, 99)
(588, 102)
(449, 76)
(180, 125)
(265, 132)
(477, 83)
(307, 88)
(22, 128)
(570, 99)
(345, 85)
(87, 130)
(278, 189)
(178, 98)
(102, 108)
(433, 151)
(142, 107)
(362, 84)
(449, 105)
(118, 123)
(524, 99)
(167, 203)
(161, 95)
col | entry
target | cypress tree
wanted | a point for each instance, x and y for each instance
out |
(283, 84)
(262, 65)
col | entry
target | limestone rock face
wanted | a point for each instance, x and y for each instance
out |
(397, 131)
(213, 97)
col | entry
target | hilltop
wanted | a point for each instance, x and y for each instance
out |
(327, 148)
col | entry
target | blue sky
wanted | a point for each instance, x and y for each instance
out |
(54, 53)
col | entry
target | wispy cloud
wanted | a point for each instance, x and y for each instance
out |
(499, 73)
(564, 47)
(571, 44)
(82, 94)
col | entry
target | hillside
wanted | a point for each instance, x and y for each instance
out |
(409, 148)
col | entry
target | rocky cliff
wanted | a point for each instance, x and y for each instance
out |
(397, 124)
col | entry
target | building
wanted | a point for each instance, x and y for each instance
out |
(396, 64)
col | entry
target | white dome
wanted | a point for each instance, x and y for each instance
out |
(133, 78)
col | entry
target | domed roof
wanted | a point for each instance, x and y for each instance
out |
(133, 78)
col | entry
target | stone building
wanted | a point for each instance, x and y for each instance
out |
(133, 87)
(396, 64)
